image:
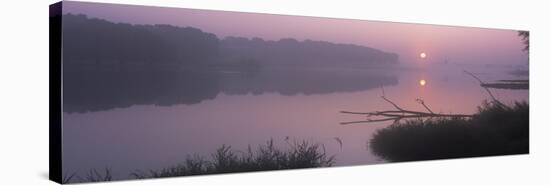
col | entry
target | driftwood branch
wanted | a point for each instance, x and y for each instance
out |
(399, 114)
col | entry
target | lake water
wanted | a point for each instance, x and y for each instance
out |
(244, 110)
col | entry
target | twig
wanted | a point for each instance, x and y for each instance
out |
(421, 101)
(395, 105)
(368, 121)
(383, 92)
(482, 84)
(471, 74)
(339, 142)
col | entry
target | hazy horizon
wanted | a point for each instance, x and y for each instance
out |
(456, 44)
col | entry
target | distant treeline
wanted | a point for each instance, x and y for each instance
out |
(291, 52)
(114, 65)
(91, 41)
(98, 42)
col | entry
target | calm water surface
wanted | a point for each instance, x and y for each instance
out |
(252, 110)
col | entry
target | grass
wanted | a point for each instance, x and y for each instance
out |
(494, 130)
(265, 157)
(91, 176)
(94, 176)
(226, 160)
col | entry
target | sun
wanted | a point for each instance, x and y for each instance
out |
(422, 82)
(423, 55)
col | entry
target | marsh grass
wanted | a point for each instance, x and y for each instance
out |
(95, 176)
(227, 160)
(265, 157)
(68, 178)
(493, 130)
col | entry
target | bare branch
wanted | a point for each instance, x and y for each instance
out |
(383, 92)
(395, 105)
(471, 74)
(482, 84)
(400, 114)
(368, 121)
(348, 112)
(423, 104)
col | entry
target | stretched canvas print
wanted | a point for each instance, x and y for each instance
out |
(145, 92)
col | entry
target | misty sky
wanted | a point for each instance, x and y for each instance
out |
(456, 44)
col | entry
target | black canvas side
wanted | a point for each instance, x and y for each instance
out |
(55, 128)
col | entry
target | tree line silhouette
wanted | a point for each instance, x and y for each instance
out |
(92, 41)
(108, 65)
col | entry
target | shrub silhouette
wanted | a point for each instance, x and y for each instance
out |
(494, 130)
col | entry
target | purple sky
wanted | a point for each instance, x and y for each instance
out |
(457, 44)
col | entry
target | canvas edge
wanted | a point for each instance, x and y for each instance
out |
(55, 96)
